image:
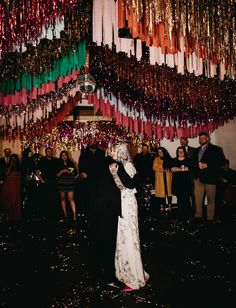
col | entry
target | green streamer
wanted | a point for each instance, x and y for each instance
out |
(74, 60)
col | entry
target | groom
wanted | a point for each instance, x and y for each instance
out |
(103, 218)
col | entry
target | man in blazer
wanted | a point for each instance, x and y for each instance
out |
(190, 154)
(189, 150)
(207, 162)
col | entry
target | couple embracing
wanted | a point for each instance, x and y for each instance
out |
(115, 254)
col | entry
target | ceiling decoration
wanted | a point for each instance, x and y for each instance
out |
(207, 27)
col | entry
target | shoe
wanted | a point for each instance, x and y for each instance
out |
(61, 221)
(113, 285)
(127, 289)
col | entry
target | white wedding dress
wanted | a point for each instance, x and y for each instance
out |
(128, 262)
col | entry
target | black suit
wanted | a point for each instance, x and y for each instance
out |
(103, 218)
(214, 158)
(205, 179)
(190, 152)
(143, 163)
(92, 163)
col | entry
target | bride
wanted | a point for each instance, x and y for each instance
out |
(128, 262)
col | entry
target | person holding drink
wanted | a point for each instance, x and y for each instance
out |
(65, 183)
(181, 180)
(207, 162)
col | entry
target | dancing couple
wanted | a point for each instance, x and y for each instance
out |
(115, 255)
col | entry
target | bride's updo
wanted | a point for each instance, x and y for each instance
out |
(122, 152)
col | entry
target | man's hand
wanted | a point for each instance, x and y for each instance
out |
(203, 165)
(114, 168)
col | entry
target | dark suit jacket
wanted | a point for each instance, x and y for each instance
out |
(143, 164)
(107, 196)
(3, 169)
(214, 158)
(92, 164)
(191, 152)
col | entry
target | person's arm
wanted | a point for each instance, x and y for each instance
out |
(114, 170)
(38, 174)
(82, 165)
(121, 177)
(126, 179)
(75, 169)
(61, 172)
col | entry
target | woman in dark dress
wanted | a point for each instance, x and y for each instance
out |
(10, 196)
(65, 183)
(181, 180)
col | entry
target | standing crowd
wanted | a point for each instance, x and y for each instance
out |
(41, 183)
(193, 176)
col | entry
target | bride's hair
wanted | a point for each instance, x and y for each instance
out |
(122, 152)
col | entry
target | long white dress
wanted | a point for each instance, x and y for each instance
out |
(128, 262)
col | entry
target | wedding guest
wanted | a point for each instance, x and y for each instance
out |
(225, 185)
(181, 180)
(163, 178)
(46, 172)
(32, 188)
(190, 155)
(227, 175)
(4, 163)
(143, 162)
(66, 183)
(207, 162)
(91, 165)
(189, 150)
(10, 196)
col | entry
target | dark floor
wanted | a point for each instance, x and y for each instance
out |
(191, 264)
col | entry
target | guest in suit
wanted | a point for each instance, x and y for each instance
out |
(4, 163)
(225, 185)
(189, 150)
(227, 175)
(190, 154)
(143, 163)
(91, 166)
(46, 172)
(207, 162)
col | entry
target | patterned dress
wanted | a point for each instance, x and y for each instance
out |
(128, 262)
(66, 182)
